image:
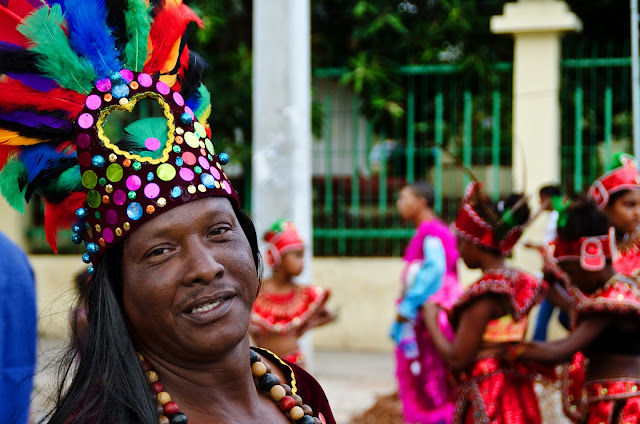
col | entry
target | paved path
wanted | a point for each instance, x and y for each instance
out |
(351, 380)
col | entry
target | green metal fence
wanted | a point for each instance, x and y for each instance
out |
(358, 172)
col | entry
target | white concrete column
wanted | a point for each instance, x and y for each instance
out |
(537, 27)
(12, 223)
(281, 183)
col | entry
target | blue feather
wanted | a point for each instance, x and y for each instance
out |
(40, 157)
(60, 2)
(90, 37)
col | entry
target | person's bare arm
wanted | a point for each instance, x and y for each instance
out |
(562, 350)
(473, 321)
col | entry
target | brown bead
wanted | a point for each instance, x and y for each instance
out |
(296, 413)
(163, 397)
(160, 410)
(278, 380)
(307, 409)
(298, 399)
(277, 392)
(258, 369)
(163, 420)
(287, 389)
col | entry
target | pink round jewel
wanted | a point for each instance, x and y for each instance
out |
(107, 235)
(93, 102)
(83, 140)
(215, 173)
(186, 174)
(204, 162)
(189, 158)
(177, 97)
(127, 75)
(162, 88)
(103, 85)
(85, 121)
(134, 182)
(119, 197)
(190, 112)
(152, 190)
(145, 80)
(227, 187)
(152, 144)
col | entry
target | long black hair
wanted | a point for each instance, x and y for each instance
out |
(107, 385)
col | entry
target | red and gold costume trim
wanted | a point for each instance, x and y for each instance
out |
(613, 401)
(283, 313)
(625, 177)
(495, 392)
(522, 290)
(620, 295)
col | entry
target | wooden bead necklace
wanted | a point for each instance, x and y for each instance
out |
(290, 403)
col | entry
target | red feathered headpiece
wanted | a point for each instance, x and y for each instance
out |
(282, 237)
(625, 177)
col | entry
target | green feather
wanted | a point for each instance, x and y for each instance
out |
(69, 181)
(45, 28)
(205, 95)
(138, 25)
(13, 184)
(137, 133)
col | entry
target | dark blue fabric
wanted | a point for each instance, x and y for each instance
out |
(17, 331)
(544, 315)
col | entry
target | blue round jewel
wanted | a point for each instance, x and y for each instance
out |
(98, 161)
(81, 213)
(176, 192)
(134, 211)
(120, 91)
(86, 258)
(115, 77)
(186, 118)
(76, 228)
(179, 162)
(91, 270)
(207, 180)
(92, 248)
(76, 239)
(223, 158)
(150, 176)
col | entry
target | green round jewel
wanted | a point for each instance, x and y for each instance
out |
(102, 181)
(176, 148)
(89, 179)
(197, 169)
(114, 172)
(166, 172)
(209, 145)
(97, 215)
(131, 195)
(136, 165)
(191, 139)
(93, 198)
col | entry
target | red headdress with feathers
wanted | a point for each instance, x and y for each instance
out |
(625, 177)
(72, 131)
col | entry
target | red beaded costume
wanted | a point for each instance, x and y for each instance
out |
(493, 390)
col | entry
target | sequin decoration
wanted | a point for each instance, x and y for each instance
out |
(166, 172)
(191, 139)
(83, 140)
(103, 85)
(191, 189)
(120, 91)
(179, 162)
(176, 148)
(98, 161)
(107, 235)
(112, 216)
(202, 188)
(207, 180)
(134, 211)
(177, 97)
(93, 198)
(204, 163)
(89, 179)
(145, 80)
(151, 209)
(209, 146)
(215, 173)
(150, 176)
(199, 129)
(151, 191)
(114, 172)
(186, 174)
(126, 75)
(126, 226)
(189, 158)
(162, 88)
(134, 182)
(93, 102)
(119, 197)
(85, 121)
(152, 144)
(131, 195)
(176, 192)
(179, 131)
(162, 202)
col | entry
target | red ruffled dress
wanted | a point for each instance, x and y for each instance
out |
(492, 390)
(288, 313)
(605, 401)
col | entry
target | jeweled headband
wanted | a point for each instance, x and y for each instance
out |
(108, 125)
(471, 226)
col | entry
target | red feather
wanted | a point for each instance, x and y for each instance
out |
(14, 95)
(5, 152)
(167, 30)
(20, 7)
(8, 23)
(61, 215)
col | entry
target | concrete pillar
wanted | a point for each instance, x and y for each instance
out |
(281, 184)
(537, 27)
(12, 223)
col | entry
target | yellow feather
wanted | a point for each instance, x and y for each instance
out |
(204, 117)
(12, 138)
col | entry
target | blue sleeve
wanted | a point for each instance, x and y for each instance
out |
(429, 278)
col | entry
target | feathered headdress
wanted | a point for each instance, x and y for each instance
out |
(103, 115)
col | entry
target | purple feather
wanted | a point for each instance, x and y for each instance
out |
(35, 120)
(90, 37)
(37, 82)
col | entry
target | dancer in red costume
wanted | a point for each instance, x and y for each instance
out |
(606, 328)
(284, 310)
(492, 313)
